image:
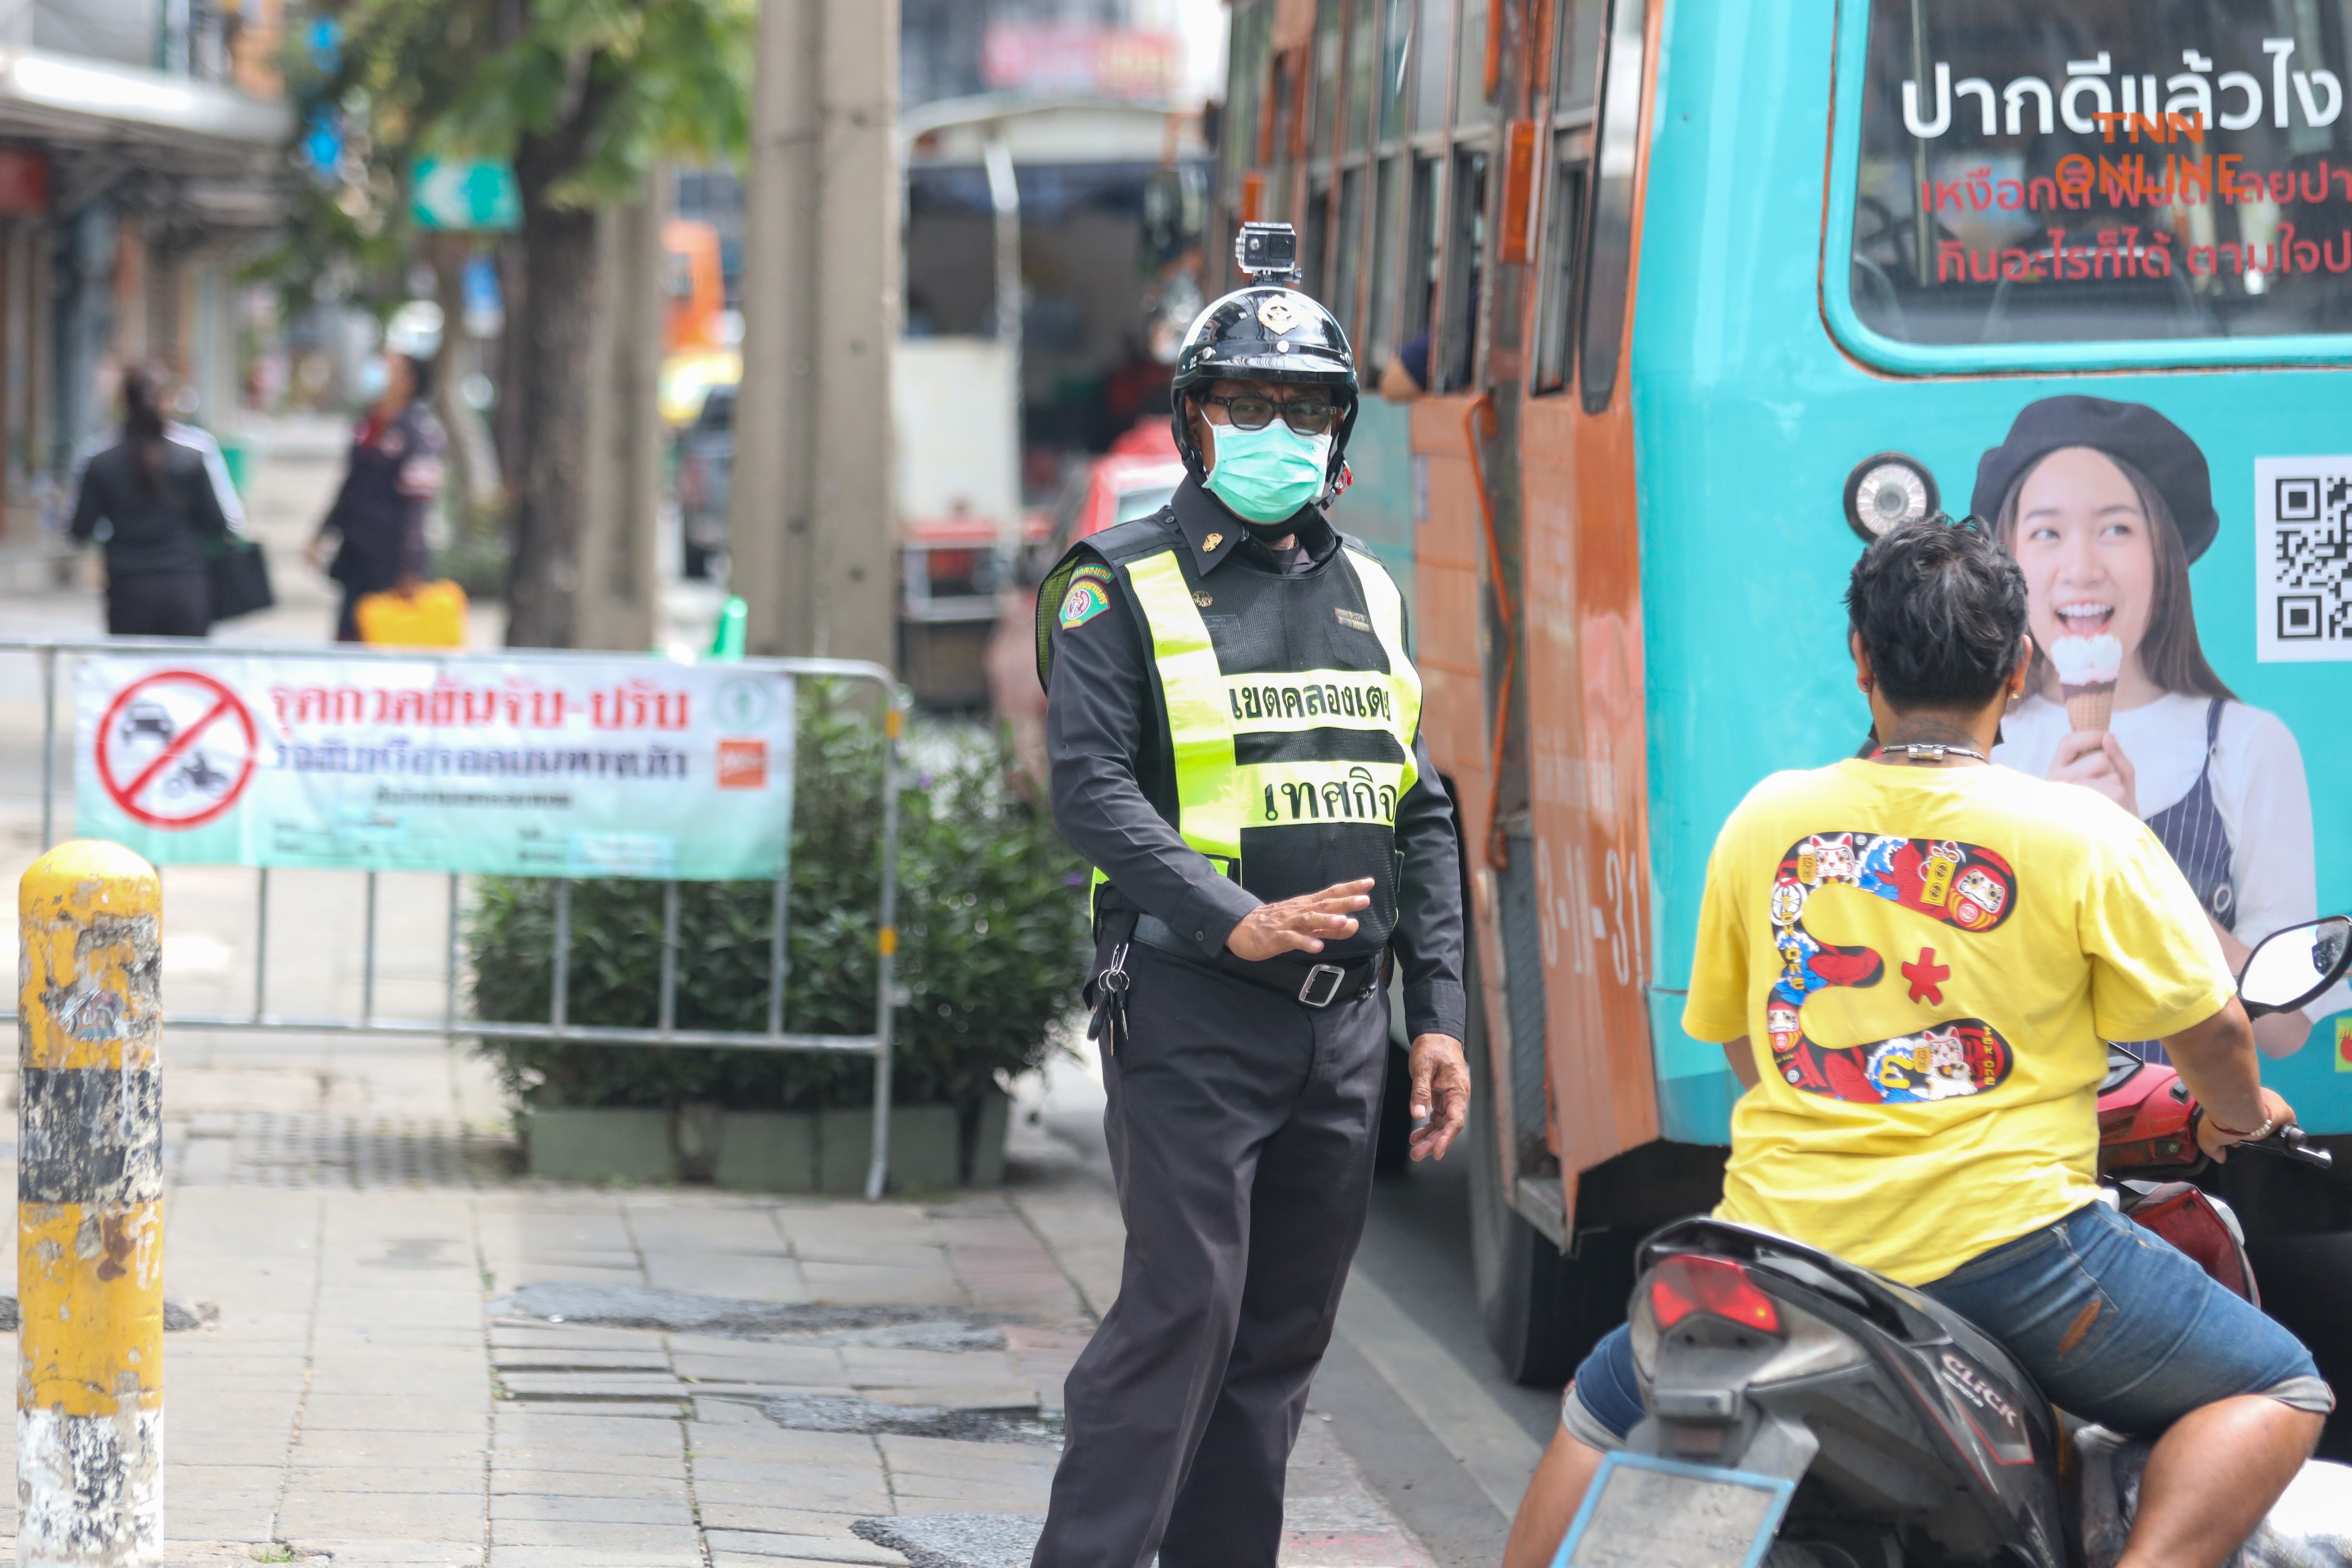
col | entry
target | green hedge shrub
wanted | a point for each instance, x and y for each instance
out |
(992, 923)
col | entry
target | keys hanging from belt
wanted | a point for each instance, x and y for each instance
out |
(1109, 1025)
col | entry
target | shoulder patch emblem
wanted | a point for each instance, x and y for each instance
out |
(1352, 620)
(1203, 600)
(1212, 541)
(1084, 602)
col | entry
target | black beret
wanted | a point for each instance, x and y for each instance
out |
(2131, 431)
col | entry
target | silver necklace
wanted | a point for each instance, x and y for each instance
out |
(1929, 752)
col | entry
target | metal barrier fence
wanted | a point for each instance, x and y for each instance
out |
(55, 655)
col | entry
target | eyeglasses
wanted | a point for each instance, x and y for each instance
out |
(1307, 417)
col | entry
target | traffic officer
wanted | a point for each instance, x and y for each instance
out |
(1234, 726)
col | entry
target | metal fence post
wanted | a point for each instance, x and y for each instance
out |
(49, 747)
(894, 722)
(89, 1212)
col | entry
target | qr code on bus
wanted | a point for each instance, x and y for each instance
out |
(2303, 558)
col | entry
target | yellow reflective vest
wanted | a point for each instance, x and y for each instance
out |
(1289, 705)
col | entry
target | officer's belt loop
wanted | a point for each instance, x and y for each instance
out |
(1317, 987)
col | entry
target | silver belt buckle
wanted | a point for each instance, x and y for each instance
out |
(1322, 987)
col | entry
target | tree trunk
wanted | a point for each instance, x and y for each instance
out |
(556, 323)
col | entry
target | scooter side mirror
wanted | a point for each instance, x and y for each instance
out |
(2292, 966)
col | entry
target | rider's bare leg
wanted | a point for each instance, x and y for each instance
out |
(2212, 1477)
(1554, 1495)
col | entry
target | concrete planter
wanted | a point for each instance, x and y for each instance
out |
(574, 1145)
(768, 1151)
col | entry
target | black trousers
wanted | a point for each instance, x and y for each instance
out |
(1241, 1127)
(159, 605)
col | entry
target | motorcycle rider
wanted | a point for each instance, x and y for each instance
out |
(1838, 991)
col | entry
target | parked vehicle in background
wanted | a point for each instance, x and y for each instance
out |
(1133, 480)
(706, 463)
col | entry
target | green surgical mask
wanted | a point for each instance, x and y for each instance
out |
(1265, 476)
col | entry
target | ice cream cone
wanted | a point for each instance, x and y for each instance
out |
(2088, 707)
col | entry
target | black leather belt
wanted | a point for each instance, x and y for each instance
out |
(1317, 985)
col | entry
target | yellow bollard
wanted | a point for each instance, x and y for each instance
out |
(89, 1211)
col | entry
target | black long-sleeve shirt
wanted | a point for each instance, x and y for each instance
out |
(1114, 784)
(149, 531)
(395, 471)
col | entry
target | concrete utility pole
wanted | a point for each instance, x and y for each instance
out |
(812, 533)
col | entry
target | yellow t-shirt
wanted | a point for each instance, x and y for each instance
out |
(1926, 962)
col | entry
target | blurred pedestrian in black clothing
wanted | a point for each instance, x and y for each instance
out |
(378, 517)
(156, 501)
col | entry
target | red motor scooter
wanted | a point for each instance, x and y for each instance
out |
(1803, 1412)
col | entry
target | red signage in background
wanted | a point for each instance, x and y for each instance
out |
(1080, 61)
(23, 183)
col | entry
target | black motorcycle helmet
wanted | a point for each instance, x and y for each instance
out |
(1265, 332)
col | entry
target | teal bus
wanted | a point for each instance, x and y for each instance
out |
(1676, 302)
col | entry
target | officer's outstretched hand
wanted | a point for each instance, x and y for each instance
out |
(1441, 1095)
(1300, 924)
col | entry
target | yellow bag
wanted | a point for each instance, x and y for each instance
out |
(434, 616)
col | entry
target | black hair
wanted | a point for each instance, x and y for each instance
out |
(143, 427)
(420, 379)
(2170, 652)
(1939, 607)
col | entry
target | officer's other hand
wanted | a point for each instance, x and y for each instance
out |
(1441, 1094)
(1300, 924)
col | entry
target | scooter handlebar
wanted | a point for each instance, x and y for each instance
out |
(2290, 1143)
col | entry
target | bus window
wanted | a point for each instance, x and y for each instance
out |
(1352, 248)
(1363, 84)
(1564, 209)
(1470, 101)
(1433, 36)
(1328, 87)
(1396, 58)
(1282, 104)
(1421, 253)
(1385, 240)
(1609, 237)
(1577, 74)
(1315, 239)
(1465, 243)
(2062, 170)
(1240, 129)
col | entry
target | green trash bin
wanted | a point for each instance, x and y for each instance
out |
(234, 455)
(727, 637)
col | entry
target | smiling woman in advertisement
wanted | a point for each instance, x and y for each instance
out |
(2105, 505)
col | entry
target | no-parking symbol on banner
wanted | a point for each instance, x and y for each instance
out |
(175, 749)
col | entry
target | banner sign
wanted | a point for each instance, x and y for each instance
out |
(626, 767)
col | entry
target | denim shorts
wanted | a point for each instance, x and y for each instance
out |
(2113, 1324)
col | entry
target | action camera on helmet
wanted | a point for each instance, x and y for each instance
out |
(1268, 252)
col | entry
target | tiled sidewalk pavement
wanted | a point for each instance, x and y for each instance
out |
(359, 1399)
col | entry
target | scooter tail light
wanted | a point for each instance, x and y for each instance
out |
(1691, 1282)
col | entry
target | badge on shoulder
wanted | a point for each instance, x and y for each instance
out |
(1084, 602)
